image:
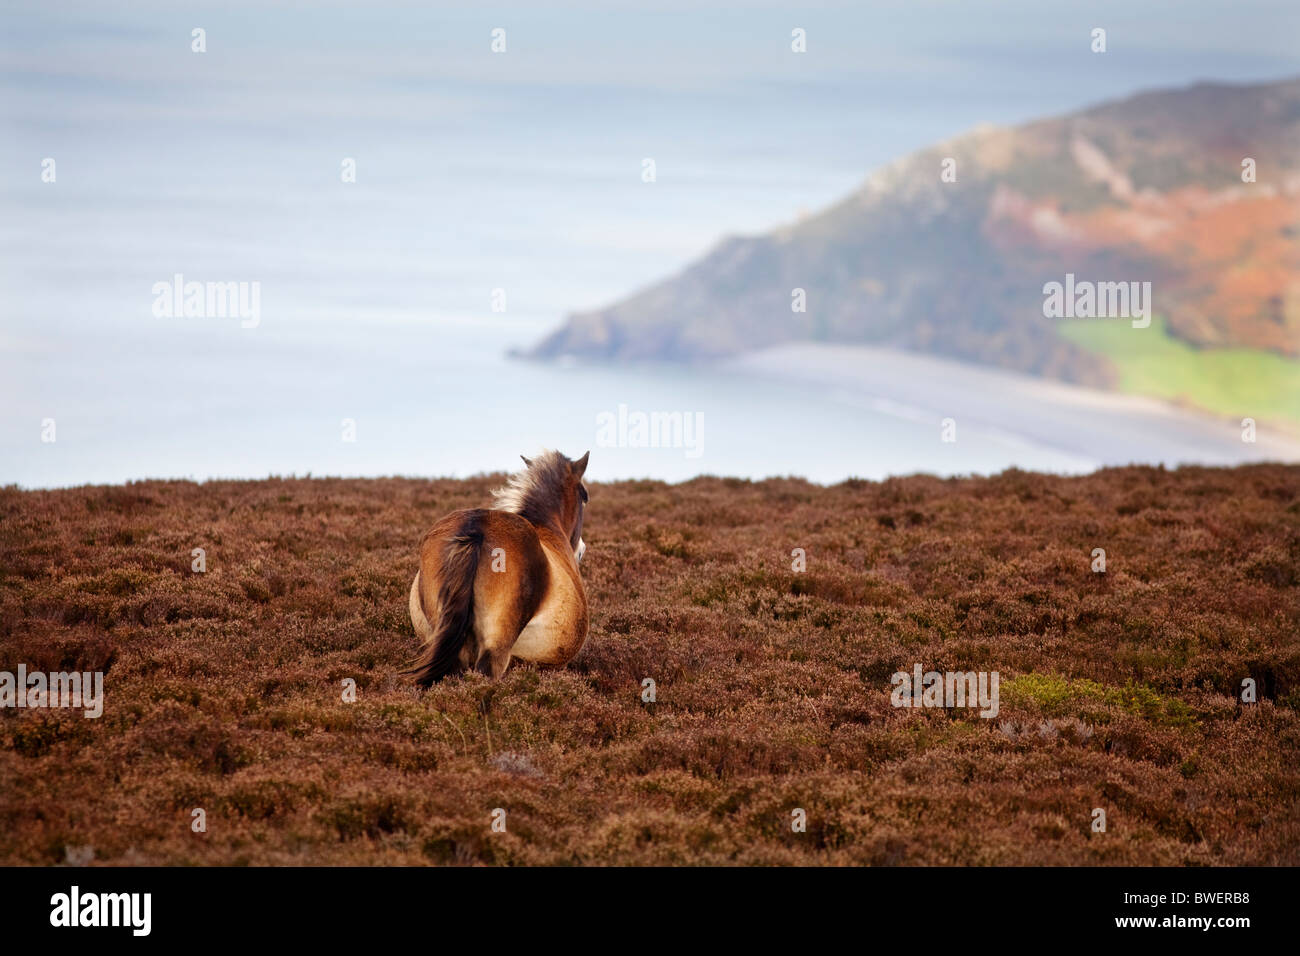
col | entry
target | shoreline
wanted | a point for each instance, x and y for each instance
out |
(1105, 428)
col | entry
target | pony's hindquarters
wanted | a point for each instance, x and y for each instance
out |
(482, 576)
(513, 579)
(443, 593)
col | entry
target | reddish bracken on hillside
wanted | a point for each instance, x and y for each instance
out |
(224, 690)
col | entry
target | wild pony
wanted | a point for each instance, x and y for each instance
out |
(503, 582)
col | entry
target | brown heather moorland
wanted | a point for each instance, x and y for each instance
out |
(224, 689)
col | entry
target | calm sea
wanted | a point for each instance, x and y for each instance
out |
(475, 172)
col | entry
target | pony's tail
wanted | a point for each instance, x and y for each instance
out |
(441, 655)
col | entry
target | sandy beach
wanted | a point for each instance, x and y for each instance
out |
(1097, 428)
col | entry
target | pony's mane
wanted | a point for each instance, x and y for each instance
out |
(536, 492)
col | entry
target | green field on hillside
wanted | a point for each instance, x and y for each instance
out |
(1232, 381)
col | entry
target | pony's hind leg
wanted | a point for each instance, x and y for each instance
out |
(505, 598)
(423, 629)
(495, 628)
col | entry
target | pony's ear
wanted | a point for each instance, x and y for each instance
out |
(580, 466)
(527, 463)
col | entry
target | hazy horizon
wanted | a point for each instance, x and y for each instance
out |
(476, 172)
